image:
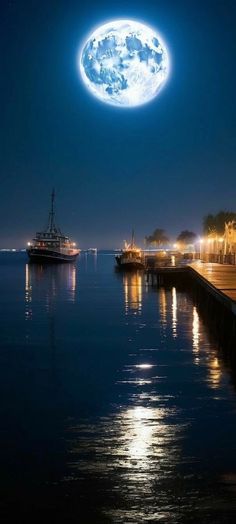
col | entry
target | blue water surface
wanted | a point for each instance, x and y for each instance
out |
(117, 404)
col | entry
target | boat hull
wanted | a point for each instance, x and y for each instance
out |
(46, 256)
(129, 265)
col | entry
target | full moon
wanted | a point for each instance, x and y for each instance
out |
(124, 63)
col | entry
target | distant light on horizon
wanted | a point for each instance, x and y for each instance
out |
(144, 366)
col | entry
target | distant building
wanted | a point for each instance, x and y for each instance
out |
(230, 237)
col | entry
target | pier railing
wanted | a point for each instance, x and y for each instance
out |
(219, 258)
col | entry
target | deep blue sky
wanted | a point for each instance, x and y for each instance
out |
(165, 164)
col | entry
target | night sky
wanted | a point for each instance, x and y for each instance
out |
(164, 164)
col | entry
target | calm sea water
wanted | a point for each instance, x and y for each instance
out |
(116, 402)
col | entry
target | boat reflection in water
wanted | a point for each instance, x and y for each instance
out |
(133, 292)
(45, 282)
(47, 288)
(90, 260)
(28, 293)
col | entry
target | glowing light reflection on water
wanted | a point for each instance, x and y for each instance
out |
(122, 397)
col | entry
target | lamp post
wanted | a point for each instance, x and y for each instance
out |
(220, 240)
(200, 247)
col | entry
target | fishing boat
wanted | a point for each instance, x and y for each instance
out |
(131, 256)
(50, 245)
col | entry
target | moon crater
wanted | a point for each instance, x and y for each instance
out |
(124, 63)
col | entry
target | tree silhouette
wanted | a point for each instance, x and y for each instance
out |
(186, 237)
(158, 238)
(216, 223)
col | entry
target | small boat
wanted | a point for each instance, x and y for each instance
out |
(51, 245)
(131, 256)
(92, 251)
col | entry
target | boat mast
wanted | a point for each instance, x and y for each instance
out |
(51, 221)
(132, 238)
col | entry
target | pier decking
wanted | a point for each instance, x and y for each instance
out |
(219, 279)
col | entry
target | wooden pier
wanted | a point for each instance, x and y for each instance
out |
(218, 279)
(164, 275)
(213, 289)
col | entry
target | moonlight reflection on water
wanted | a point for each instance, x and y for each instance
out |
(135, 451)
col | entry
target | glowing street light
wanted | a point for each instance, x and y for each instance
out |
(201, 241)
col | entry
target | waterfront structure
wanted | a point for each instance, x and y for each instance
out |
(216, 248)
(230, 237)
(51, 245)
